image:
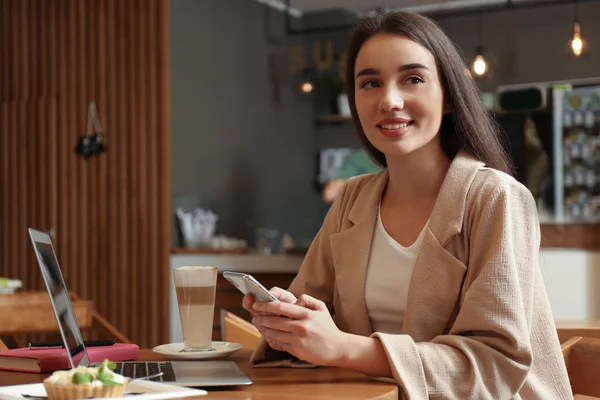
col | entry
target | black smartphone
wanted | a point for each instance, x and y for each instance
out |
(53, 345)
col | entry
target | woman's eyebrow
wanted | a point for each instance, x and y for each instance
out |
(402, 68)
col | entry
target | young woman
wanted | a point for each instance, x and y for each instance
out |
(427, 272)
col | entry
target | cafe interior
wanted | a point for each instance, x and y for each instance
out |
(146, 135)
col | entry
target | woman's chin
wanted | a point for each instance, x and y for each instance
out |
(395, 150)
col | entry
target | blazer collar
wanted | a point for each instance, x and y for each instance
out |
(445, 222)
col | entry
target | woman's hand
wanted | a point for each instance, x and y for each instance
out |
(304, 329)
(282, 295)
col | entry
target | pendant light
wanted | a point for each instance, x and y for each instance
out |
(577, 43)
(479, 66)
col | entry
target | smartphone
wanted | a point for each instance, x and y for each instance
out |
(248, 285)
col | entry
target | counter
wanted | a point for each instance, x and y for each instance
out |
(249, 263)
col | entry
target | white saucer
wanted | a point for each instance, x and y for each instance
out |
(173, 350)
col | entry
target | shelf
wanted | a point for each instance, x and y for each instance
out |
(327, 119)
(208, 250)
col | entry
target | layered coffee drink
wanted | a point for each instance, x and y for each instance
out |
(195, 288)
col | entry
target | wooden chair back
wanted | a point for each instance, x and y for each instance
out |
(582, 358)
(30, 312)
(238, 330)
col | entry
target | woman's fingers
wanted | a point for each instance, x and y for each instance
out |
(276, 323)
(247, 302)
(283, 295)
(311, 303)
(281, 308)
(278, 336)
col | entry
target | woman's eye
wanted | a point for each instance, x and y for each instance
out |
(369, 85)
(414, 80)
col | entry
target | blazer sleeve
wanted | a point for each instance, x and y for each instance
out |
(315, 278)
(487, 352)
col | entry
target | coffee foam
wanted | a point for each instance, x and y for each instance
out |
(195, 276)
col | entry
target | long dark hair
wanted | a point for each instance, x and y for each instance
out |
(467, 127)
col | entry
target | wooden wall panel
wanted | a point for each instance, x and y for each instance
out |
(27, 186)
(111, 213)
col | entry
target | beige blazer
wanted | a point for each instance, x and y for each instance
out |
(478, 324)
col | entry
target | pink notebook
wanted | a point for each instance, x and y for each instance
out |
(48, 360)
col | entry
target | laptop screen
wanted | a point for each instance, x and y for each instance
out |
(59, 297)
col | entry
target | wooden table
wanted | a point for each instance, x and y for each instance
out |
(271, 383)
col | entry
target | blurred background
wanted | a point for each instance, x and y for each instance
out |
(122, 120)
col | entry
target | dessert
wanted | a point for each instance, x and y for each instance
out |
(85, 382)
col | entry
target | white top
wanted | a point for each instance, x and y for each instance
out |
(388, 274)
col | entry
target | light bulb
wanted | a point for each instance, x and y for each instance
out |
(577, 46)
(479, 65)
(306, 87)
(577, 42)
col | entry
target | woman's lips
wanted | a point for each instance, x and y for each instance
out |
(394, 129)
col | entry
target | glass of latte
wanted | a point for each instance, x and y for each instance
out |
(195, 288)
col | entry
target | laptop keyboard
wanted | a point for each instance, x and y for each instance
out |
(139, 369)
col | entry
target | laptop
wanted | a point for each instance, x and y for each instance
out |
(180, 373)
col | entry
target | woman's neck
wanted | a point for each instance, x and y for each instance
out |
(418, 176)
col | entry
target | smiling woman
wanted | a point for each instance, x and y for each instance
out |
(427, 272)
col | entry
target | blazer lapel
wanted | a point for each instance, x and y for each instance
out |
(433, 291)
(350, 249)
(437, 277)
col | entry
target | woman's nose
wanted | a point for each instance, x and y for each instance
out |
(392, 100)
